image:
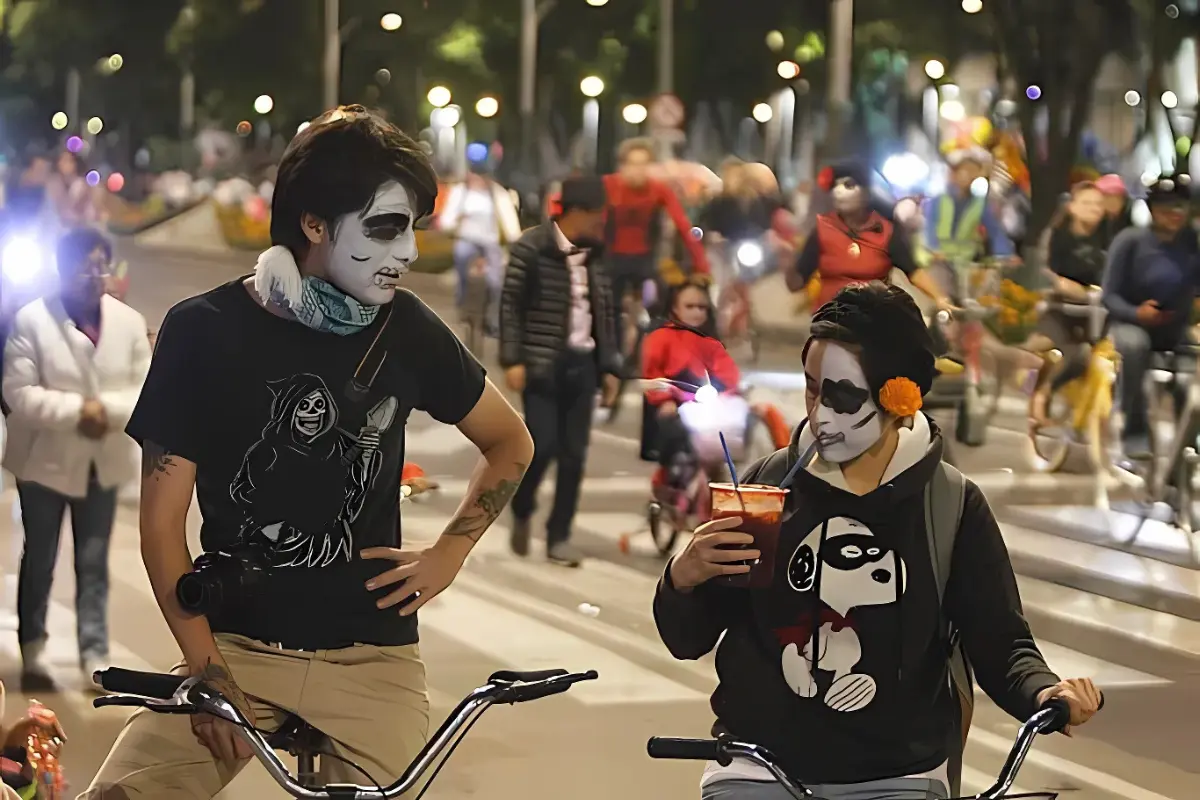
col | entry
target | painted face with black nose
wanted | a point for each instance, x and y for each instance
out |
(845, 419)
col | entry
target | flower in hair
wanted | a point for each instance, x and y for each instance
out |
(825, 179)
(900, 397)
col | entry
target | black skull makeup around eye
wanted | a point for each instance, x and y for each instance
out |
(843, 397)
(386, 227)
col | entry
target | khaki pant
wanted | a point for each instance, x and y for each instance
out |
(370, 701)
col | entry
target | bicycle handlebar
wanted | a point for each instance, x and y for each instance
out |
(1053, 717)
(176, 694)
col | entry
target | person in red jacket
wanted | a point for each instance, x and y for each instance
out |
(854, 243)
(634, 202)
(684, 351)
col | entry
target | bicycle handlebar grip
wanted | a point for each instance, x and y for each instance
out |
(114, 700)
(146, 684)
(688, 749)
(1061, 715)
(529, 676)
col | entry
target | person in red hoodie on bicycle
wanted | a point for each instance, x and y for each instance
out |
(684, 351)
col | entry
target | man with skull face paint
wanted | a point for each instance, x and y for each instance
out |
(871, 714)
(281, 399)
(855, 243)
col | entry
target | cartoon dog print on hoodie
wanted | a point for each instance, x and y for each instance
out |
(847, 567)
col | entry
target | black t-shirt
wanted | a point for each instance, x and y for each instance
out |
(1078, 258)
(264, 407)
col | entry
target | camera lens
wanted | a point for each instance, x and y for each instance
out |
(197, 592)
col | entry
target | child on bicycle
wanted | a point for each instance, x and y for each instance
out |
(840, 666)
(684, 350)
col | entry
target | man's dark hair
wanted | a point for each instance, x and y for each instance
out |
(77, 244)
(630, 146)
(885, 325)
(585, 193)
(334, 167)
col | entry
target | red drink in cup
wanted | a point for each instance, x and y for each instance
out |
(761, 510)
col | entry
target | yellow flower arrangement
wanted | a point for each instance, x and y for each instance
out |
(1017, 312)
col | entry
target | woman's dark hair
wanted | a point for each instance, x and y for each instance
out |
(886, 326)
(337, 164)
(709, 328)
(77, 244)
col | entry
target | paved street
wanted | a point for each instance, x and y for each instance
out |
(590, 743)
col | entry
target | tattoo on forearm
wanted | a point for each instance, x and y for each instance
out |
(486, 508)
(156, 461)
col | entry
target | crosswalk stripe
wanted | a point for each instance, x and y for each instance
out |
(1096, 779)
(519, 641)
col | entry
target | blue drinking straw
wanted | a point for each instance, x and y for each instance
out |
(799, 465)
(729, 460)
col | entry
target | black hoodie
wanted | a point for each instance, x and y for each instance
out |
(854, 577)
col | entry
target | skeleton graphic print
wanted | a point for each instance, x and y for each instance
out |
(304, 482)
(847, 567)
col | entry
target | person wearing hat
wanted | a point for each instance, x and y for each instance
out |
(1149, 288)
(1118, 208)
(854, 242)
(557, 344)
(839, 666)
(960, 224)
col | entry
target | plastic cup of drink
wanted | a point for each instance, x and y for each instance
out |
(761, 510)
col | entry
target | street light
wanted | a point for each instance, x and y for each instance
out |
(788, 70)
(935, 69)
(115, 62)
(1132, 98)
(487, 107)
(591, 86)
(263, 104)
(449, 116)
(972, 6)
(775, 40)
(438, 97)
(762, 113)
(1169, 99)
(391, 22)
(634, 113)
(59, 121)
(597, 3)
(95, 125)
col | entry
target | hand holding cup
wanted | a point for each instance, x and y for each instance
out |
(717, 548)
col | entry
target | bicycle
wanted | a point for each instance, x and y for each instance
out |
(1052, 718)
(1078, 412)
(981, 386)
(178, 694)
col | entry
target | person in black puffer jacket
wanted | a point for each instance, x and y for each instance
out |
(557, 338)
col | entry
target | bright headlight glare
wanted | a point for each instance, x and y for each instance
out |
(750, 254)
(21, 259)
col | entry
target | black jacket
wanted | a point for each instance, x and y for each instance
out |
(854, 581)
(535, 306)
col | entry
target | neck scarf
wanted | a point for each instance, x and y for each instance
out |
(326, 308)
(313, 302)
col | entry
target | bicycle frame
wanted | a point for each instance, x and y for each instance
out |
(193, 696)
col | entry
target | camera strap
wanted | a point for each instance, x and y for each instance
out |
(358, 390)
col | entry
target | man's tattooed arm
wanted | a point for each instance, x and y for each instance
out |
(217, 675)
(477, 515)
(156, 460)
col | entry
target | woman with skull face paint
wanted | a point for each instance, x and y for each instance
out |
(855, 243)
(839, 667)
(280, 399)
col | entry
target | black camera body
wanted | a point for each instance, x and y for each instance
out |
(221, 578)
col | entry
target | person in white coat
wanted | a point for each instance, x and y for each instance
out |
(74, 365)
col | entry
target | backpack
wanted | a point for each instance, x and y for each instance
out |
(944, 497)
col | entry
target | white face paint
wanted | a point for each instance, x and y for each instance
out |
(373, 248)
(844, 416)
(847, 196)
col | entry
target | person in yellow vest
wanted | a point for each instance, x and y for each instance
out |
(959, 224)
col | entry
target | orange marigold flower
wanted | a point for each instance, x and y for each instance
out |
(901, 397)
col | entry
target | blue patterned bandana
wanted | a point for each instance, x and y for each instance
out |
(326, 308)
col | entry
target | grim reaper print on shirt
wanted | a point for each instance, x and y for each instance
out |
(302, 485)
(847, 567)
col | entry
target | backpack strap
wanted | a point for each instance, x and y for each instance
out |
(945, 495)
